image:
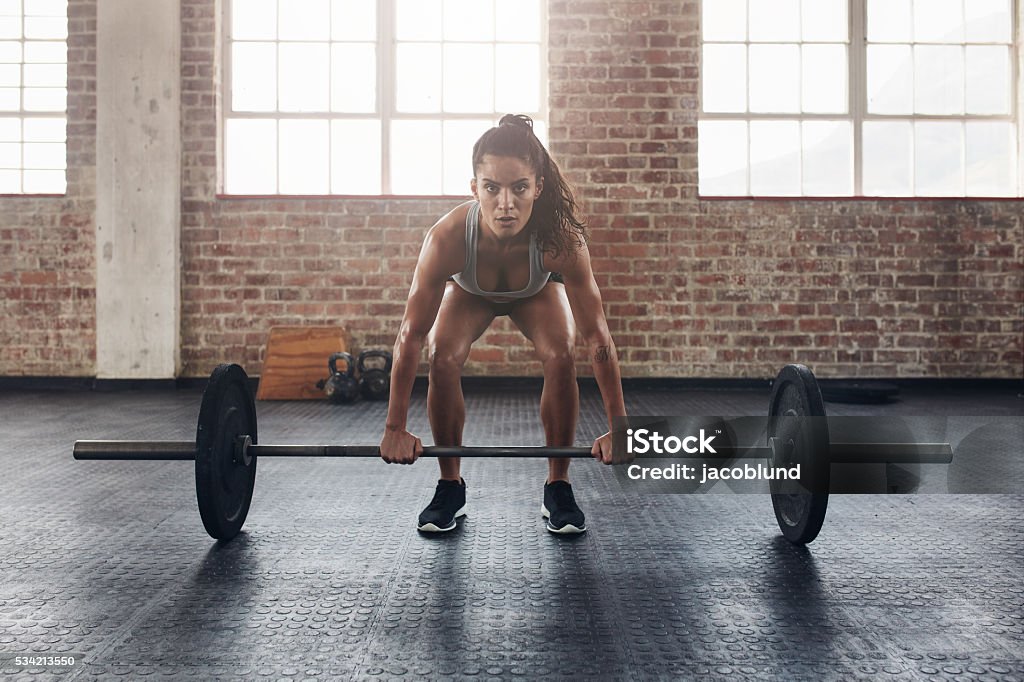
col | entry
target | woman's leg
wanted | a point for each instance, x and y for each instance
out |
(460, 321)
(546, 320)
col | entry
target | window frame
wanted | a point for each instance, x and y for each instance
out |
(857, 110)
(386, 96)
(21, 114)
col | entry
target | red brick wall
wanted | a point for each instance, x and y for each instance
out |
(47, 244)
(738, 288)
(692, 287)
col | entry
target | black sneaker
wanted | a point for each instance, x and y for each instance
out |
(449, 503)
(561, 510)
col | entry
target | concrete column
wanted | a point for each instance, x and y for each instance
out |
(138, 188)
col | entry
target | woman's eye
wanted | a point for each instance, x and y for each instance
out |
(521, 188)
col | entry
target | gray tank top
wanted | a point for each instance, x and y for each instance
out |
(467, 278)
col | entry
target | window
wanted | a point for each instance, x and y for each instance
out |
(33, 96)
(371, 97)
(858, 97)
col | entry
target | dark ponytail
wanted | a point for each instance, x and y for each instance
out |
(555, 218)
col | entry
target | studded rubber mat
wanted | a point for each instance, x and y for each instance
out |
(108, 561)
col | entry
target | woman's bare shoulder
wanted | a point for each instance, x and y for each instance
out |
(445, 244)
(452, 225)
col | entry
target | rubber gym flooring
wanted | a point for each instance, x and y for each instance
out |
(109, 562)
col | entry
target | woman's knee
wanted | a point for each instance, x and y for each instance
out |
(446, 362)
(559, 359)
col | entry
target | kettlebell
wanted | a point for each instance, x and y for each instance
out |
(340, 387)
(374, 382)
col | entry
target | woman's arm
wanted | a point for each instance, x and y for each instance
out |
(588, 314)
(441, 255)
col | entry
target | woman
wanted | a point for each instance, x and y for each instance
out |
(518, 249)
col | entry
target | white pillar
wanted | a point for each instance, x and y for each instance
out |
(138, 188)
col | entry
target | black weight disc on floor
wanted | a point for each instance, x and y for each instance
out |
(795, 394)
(224, 481)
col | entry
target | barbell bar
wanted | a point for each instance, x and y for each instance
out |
(226, 451)
(839, 453)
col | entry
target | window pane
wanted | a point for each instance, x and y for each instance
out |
(45, 130)
(10, 27)
(824, 21)
(354, 78)
(10, 8)
(517, 78)
(724, 20)
(10, 99)
(540, 130)
(10, 155)
(355, 157)
(774, 20)
(416, 157)
(469, 19)
(459, 137)
(827, 158)
(304, 20)
(10, 75)
(938, 158)
(10, 129)
(988, 21)
(774, 158)
(46, 75)
(991, 159)
(45, 52)
(823, 79)
(253, 81)
(46, 155)
(46, 8)
(724, 78)
(468, 78)
(10, 182)
(253, 19)
(44, 182)
(46, 28)
(354, 20)
(419, 77)
(890, 77)
(418, 19)
(722, 158)
(46, 99)
(519, 20)
(250, 150)
(938, 21)
(888, 151)
(304, 151)
(775, 78)
(10, 52)
(938, 79)
(303, 77)
(890, 21)
(988, 79)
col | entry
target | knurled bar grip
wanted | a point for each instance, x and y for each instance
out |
(840, 453)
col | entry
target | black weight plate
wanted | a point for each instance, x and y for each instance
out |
(795, 394)
(224, 484)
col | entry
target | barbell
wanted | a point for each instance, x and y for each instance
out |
(226, 450)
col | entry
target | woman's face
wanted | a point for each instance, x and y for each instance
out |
(506, 188)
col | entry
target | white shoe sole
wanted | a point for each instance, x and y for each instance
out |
(567, 529)
(431, 528)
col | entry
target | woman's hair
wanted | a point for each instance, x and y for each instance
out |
(555, 218)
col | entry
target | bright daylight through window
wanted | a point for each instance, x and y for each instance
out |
(859, 97)
(364, 97)
(33, 96)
